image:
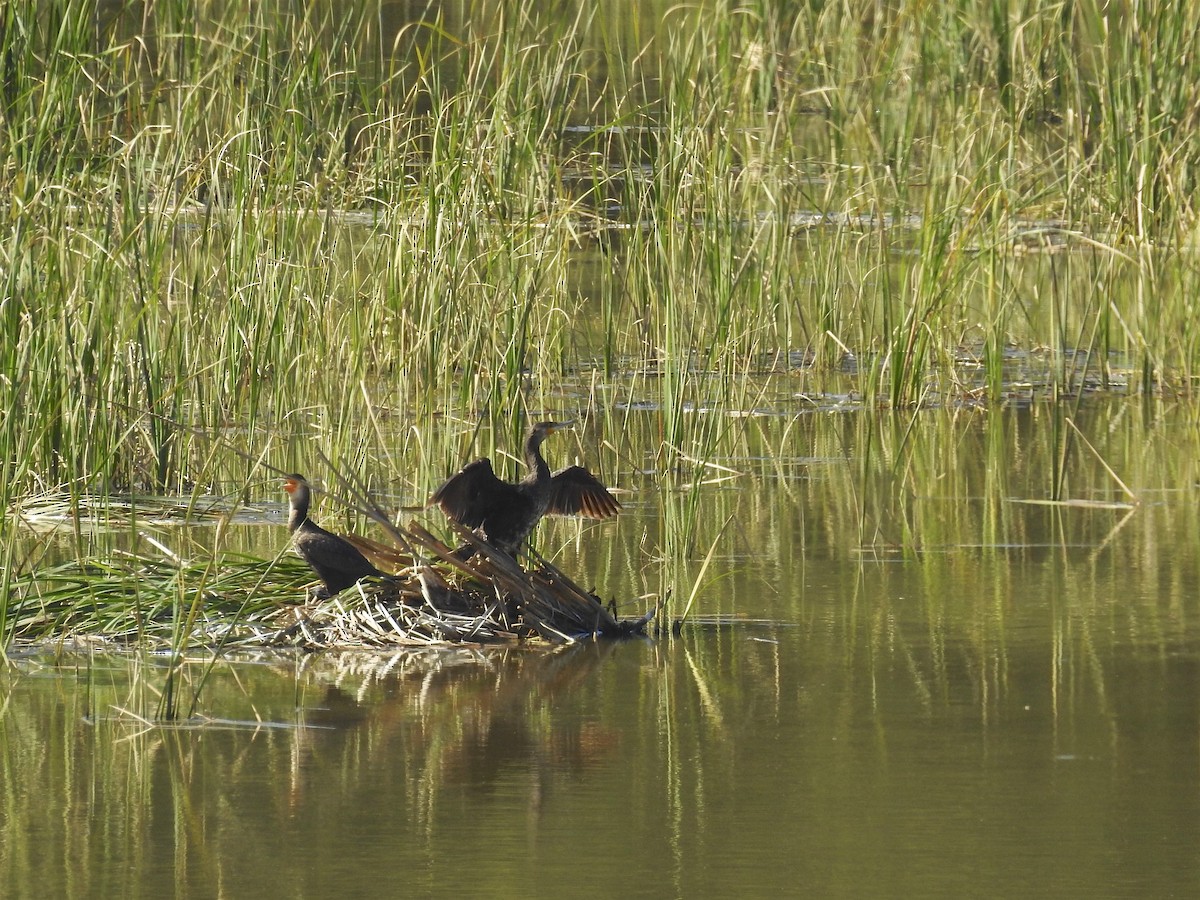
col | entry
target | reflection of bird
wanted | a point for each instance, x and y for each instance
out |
(337, 563)
(504, 514)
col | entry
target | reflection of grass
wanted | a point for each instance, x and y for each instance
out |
(445, 715)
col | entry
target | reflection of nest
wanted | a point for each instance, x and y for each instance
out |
(487, 599)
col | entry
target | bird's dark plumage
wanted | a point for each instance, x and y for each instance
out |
(504, 514)
(335, 560)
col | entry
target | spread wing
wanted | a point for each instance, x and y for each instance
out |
(574, 491)
(468, 496)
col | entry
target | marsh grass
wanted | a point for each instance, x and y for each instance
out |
(136, 597)
(237, 229)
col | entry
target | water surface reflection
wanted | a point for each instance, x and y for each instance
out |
(840, 756)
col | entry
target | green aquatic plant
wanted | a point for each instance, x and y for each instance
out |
(231, 229)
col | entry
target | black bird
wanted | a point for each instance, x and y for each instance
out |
(504, 514)
(335, 560)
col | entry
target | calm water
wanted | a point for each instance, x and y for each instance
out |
(1006, 708)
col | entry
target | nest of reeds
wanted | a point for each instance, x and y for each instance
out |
(440, 598)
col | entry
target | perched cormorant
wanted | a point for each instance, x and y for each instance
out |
(504, 514)
(335, 560)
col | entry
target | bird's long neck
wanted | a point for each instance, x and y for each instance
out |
(539, 472)
(299, 512)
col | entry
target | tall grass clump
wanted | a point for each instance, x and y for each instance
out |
(279, 220)
(128, 297)
(235, 231)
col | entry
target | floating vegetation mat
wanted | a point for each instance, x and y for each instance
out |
(486, 599)
(433, 598)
